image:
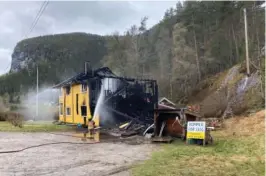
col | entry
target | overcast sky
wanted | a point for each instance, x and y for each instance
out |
(97, 17)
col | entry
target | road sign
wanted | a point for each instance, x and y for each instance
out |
(196, 130)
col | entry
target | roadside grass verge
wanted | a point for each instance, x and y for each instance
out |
(236, 152)
(34, 127)
(227, 156)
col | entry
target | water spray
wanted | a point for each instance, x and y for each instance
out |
(96, 115)
(46, 97)
(100, 109)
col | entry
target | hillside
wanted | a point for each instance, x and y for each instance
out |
(67, 49)
(192, 42)
(229, 93)
(57, 56)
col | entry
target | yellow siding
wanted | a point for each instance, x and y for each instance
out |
(68, 104)
(71, 102)
(61, 100)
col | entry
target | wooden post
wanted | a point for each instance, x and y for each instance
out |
(246, 39)
(204, 140)
(186, 137)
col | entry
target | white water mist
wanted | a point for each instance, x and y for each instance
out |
(47, 104)
(100, 109)
(99, 103)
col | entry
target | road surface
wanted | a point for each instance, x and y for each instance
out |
(67, 159)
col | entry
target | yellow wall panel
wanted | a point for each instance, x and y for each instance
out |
(70, 101)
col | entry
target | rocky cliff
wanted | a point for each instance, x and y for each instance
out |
(67, 49)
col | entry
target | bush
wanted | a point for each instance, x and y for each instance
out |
(14, 118)
(2, 116)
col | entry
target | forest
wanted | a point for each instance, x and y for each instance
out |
(193, 41)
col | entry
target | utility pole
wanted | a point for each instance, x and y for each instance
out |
(37, 93)
(246, 39)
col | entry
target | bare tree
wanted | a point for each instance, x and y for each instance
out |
(196, 50)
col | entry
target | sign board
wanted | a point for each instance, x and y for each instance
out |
(196, 130)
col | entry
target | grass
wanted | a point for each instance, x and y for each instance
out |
(33, 127)
(230, 155)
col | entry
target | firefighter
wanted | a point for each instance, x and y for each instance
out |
(91, 126)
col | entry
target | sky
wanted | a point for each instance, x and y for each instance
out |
(96, 17)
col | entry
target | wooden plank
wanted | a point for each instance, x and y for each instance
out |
(162, 139)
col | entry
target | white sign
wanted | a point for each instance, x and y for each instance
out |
(196, 126)
(196, 129)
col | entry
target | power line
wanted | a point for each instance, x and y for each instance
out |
(39, 14)
(36, 17)
(34, 23)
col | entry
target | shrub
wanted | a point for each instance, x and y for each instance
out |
(2, 116)
(14, 118)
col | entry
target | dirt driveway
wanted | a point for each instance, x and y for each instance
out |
(67, 159)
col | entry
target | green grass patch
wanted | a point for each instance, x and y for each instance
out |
(34, 127)
(227, 156)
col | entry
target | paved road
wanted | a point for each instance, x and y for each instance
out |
(66, 159)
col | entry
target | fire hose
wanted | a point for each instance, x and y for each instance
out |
(40, 145)
(53, 143)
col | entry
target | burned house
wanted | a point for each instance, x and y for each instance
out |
(115, 99)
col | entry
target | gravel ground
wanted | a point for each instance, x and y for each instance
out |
(67, 159)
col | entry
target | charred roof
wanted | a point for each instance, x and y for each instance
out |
(100, 73)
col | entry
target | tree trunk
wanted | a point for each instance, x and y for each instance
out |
(259, 60)
(253, 36)
(236, 45)
(171, 87)
(186, 86)
(161, 66)
(230, 48)
(196, 49)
